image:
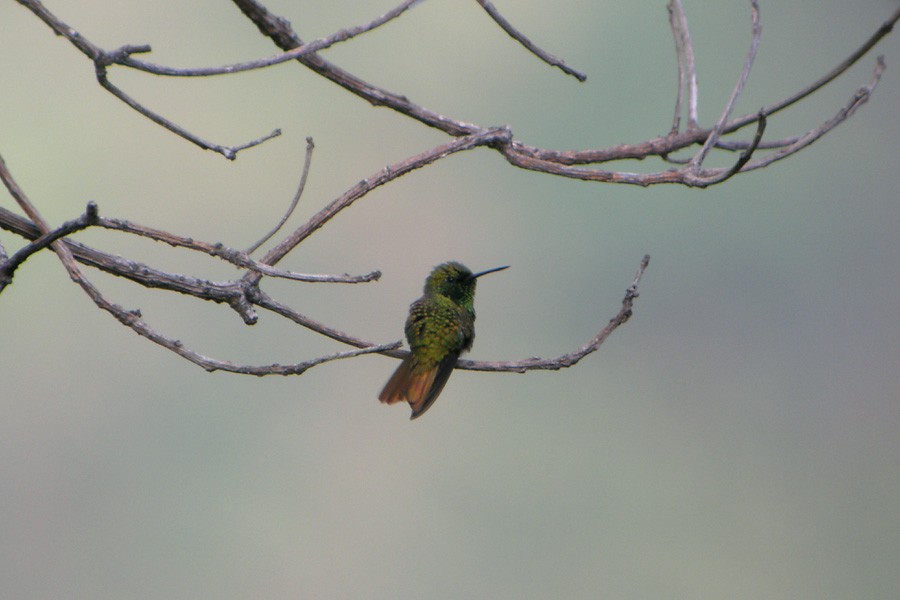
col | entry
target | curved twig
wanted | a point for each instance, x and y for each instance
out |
(229, 152)
(714, 135)
(489, 137)
(687, 67)
(309, 48)
(102, 59)
(287, 215)
(860, 97)
(570, 359)
(706, 180)
(517, 35)
(838, 70)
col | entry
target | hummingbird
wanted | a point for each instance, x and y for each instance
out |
(440, 327)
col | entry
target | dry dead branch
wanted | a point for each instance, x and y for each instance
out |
(244, 295)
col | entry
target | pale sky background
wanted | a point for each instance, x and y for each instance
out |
(737, 439)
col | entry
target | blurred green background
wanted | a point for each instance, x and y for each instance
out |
(738, 438)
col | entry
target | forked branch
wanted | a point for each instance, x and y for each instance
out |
(243, 293)
(555, 162)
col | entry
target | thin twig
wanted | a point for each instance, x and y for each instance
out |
(748, 152)
(236, 257)
(290, 210)
(102, 59)
(687, 67)
(517, 35)
(713, 138)
(570, 359)
(741, 145)
(229, 152)
(8, 267)
(860, 97)
(697, 179)
(838, 70)
(119, 266)
(298, 52)
(490, 137)
(133, 320)
(21, 199)
(265, 301)
(680, 62)
(233, 294)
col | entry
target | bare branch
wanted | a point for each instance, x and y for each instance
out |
(102, 59)
(706, 180)
(21, 199)
(243, 295)
(558, 163)
(519, 154)
(290, 210)
(229, 152)
(860, 97)
(682, 69)
(741, 145)
(567, 360)
(8, 267)
(554, 162)
(515, 34)
(149, 277)
(713, 138)
(687, 67)
(62, 251)
(775, 107)
(303, 50)
(236, 257)
(132, 318)
(264, 300)
(249, 294)
(121, 267)
(489, 137)
(521, 366)
(282, 35)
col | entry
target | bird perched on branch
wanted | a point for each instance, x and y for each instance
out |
(440, 327)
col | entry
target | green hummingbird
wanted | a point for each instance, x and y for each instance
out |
(440, 327)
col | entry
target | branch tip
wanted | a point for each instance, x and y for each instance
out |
(517, 35)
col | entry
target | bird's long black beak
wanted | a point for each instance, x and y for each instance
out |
(494, 270)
